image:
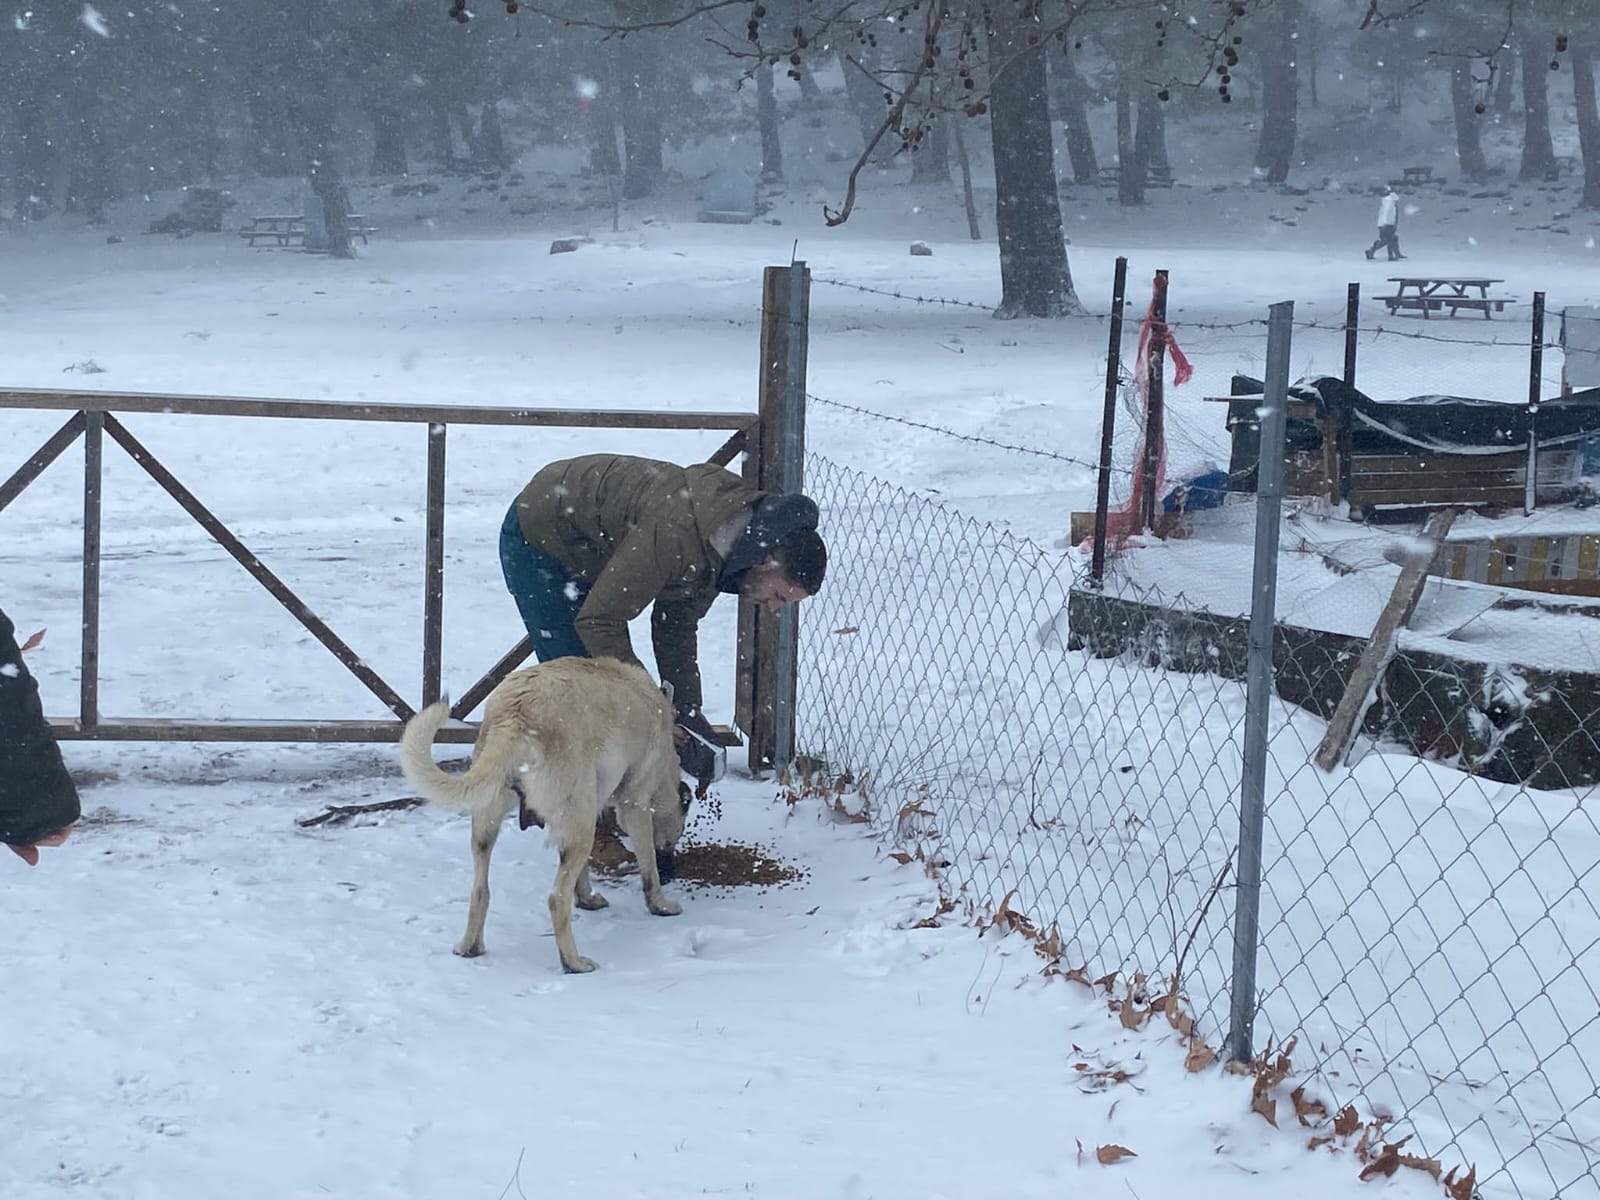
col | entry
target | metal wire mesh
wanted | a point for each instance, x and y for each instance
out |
(1427, 926)
(1096, 794)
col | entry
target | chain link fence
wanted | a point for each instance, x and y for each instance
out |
(1428, 931)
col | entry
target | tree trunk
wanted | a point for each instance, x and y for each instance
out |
(1150, 137)
(1505, 80)
(767, 120)
(1080, 140)
(809, 91)
(89, 186)
(312, 107)
(33, 155)
(1280, 97)
(640, 102)
(1311, 39)
(604, 158)
(388, 139)
(492, 137)
(1469, 149)
(1588, 120)
(1035, 278)
(1538, 155)
(444, 141)
(866, 101)
(930, 157)
(272, 139)
(1130, 170)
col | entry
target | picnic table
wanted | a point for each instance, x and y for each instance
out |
(289, 229)
(1432, 293)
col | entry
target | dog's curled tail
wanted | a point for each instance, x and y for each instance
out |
(478, 788)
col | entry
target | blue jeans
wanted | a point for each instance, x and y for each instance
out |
(546, 596)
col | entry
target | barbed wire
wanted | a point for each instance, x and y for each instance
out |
(977, 439)
(1179, 324)
(897, 295)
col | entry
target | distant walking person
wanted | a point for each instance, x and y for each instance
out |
(1388, 222)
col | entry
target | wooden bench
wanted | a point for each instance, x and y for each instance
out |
(1415, 176)
(290, 229)
(1429, 294)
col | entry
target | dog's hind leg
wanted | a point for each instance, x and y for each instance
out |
(588, 898)
(574, 859)
(638, 824)
(485, 832)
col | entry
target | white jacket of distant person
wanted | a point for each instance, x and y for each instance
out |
(1389, 209)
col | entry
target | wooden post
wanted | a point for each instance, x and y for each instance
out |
(433, 571)
(1358, 693)
(1335, 438)
(93, 476)
(773, 463)
(1155, 402)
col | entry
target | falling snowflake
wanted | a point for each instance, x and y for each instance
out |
(94, 22)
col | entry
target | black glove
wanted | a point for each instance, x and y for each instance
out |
(700, 755)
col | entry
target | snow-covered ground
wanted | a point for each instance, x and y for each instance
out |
(211, 999)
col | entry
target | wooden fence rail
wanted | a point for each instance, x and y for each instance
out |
(93, 417)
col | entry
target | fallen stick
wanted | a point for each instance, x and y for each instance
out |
(339, 813)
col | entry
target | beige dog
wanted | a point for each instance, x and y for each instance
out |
(570, 738)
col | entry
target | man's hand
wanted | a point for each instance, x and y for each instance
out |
(699, 754)
(30, 853)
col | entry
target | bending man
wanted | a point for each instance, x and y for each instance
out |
(592, 541)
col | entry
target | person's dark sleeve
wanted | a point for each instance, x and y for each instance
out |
(37, 796)
(675, 634)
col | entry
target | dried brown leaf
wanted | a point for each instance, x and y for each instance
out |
(1200, 1056)
(1265, 1105)
(1130, 1014)
(1364, 1146)
(900, 856)
(1418, 1162)
(848, 629)
(33, 640)
(1113, 1153)
(1386, 1162)
(1305, 1109)
(1347, 1122)
(1464, 1188)
(1321, 1139)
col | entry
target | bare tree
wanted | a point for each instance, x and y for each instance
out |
(1538, 153)
(1035, 279)
(1583, 62)
(1280, 95)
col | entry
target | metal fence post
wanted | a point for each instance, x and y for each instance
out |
(1258, 677)
(1535, 384)
(1102, 500)
(791, 478)
(1352, 327)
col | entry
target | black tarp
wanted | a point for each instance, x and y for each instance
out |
(1434, 424)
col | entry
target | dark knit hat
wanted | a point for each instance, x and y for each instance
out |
(777, 524)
